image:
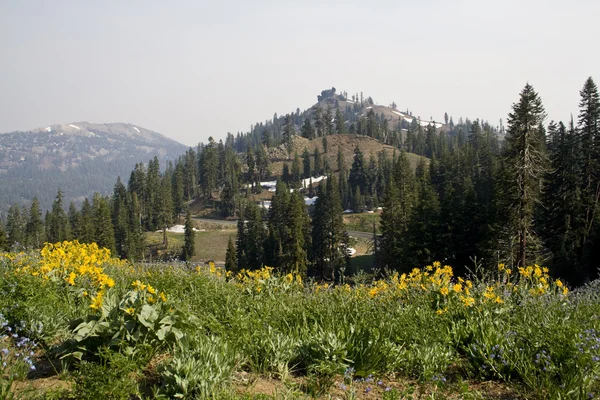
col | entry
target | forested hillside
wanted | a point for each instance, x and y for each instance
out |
(79, 158)
(467, 193)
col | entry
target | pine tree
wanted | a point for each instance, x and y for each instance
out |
(15, 227)
(178, 193)
(307, 130)
(358, 176)
(526, 162)
(58, 228)
(288, 131)
(190, 175)
(424, 227)
(241, 242)
(119, 218)
(164, 213)
(328, 122)
(319, 126)
(296, 172)
(104, 232)
(286, 177)
(231, 257)
(340, 126)
(278, 225)
(589, 136)
(3, 238)
(74, 221)
(228, 197)
(208, 168)
(255, 236)
(317, 169)
(358, 203)
(296, 254)
(152, 199)
(251, 174)
(189, 249)
(399, 200)
(34, 231)
(135, 237)
(87, 230)
(328, 231)
(306, 164)
(563, 214)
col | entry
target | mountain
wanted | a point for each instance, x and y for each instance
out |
(79, 158)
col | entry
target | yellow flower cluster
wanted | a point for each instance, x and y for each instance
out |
(537, 280)
(79, 265)
(214, 271)
(151, 292)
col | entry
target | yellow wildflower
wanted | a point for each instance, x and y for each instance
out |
(500, 267)
(467, 301)
(151, 290)
(130, 310)
(558, 283)
(163, 296)
(498, 300)
(71, 279)
(96, 301)
(457, 288)
(444, 291)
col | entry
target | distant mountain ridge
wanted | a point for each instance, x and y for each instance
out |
(80, 158)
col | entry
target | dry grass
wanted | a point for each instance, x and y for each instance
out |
(347, 143)
(209, 244)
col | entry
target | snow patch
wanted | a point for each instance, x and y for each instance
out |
(425, 123)
(306, 182)
(138, 131)
(368, 108)
(48, 129)
(351, 251)
(75, 126)
(177, 229)
(309, 202)
(348, 211)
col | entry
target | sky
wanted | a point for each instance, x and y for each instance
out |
(194, 69)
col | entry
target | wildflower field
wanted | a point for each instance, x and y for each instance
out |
(77, 324)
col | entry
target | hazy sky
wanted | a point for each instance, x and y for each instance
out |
(192, 69)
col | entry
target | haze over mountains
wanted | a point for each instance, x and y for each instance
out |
(79, 158)
(82, 158)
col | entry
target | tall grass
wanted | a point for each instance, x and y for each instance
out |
(518, 327)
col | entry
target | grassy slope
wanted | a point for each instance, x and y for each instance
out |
(210, 244)
(347, 143)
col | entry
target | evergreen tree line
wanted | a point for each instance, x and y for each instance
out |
(530, 199)
(535, 200)
(288, 239)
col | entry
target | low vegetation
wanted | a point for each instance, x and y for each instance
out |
(111, 329)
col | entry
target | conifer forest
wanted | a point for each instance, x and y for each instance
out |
(480, 277)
